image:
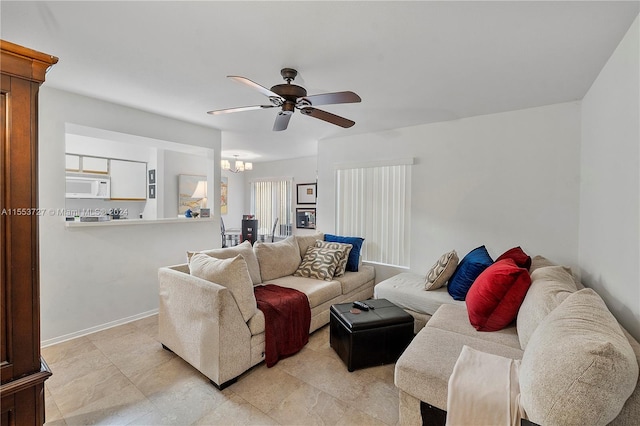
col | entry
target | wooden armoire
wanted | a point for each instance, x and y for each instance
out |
(23, 372)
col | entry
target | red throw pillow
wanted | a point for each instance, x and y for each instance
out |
(495, 297)
(521, 258)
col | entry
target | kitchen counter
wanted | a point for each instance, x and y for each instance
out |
(128, 222)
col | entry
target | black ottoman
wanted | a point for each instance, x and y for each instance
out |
(374, 337)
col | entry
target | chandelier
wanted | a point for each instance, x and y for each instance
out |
(240, 166)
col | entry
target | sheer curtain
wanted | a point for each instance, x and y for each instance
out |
(271, 199)
(374, 202)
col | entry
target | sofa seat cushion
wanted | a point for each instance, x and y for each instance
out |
(245, 249)
(455, 319)
(353, 280)
(424, 368)
(317, 291)
(277, 259)
(579, 367)
(407, 291)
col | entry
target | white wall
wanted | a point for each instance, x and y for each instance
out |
(500, 180)
(301, 170)
(90, 277)
(235, 200)
(609, 247)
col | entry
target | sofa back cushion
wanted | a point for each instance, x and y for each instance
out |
(245, 249)
(306, 241)
(539, 262)
(230, 273)
(550, 285)
(579, 367)
(495, 297)
(277, 259)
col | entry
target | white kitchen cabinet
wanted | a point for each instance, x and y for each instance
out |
(95, 165)
(128, 180)
(72, 163)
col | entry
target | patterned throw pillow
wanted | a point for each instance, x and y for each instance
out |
(440, 273)
(346, 249)
(319, 263)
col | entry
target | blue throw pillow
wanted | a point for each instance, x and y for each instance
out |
(354, 254)
(476, 261)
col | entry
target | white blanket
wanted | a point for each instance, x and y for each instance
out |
(483, 390)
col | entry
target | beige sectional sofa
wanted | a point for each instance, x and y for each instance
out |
(577, 366)
(202, 322)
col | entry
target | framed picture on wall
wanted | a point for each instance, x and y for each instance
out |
(224, 191)
(307, 193)
(306, 218)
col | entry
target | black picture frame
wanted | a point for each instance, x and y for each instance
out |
(152, 191)
(307, 193)
(306, 218)
(152, 176)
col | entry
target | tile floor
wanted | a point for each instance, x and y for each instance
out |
(122, 376)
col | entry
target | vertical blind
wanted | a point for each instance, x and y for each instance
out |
(271, 199)
(374, 202)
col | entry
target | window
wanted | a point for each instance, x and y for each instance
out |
(373, 201)
(271, 200)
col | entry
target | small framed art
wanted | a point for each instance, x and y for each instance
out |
(306, 218)
(307, 193)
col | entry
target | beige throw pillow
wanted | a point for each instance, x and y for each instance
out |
(277, 259)
(550, 285)
(578, 368)
(245, 249)
(319, 263)
(440, 273)
(230, 273)
(346, 249)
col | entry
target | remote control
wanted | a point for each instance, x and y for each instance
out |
(361, 305)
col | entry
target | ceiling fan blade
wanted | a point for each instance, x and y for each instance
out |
(239, 109)
(268, 93)
(328, 117)
(332, 98)
(282, 121)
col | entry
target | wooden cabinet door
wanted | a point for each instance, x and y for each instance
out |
(72, 163)
(21, 372)
(95, 165)
(20, 271)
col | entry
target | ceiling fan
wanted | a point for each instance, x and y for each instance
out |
(290, 97)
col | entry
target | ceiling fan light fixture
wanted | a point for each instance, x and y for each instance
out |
(290, 97)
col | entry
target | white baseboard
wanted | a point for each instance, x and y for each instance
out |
(100, 327)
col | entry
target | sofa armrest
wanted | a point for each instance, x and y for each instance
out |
(201, 322)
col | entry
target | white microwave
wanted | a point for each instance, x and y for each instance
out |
(88, 187)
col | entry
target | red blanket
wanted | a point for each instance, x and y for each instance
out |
(287, 319)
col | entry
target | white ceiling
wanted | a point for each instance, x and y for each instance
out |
(411, 62)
